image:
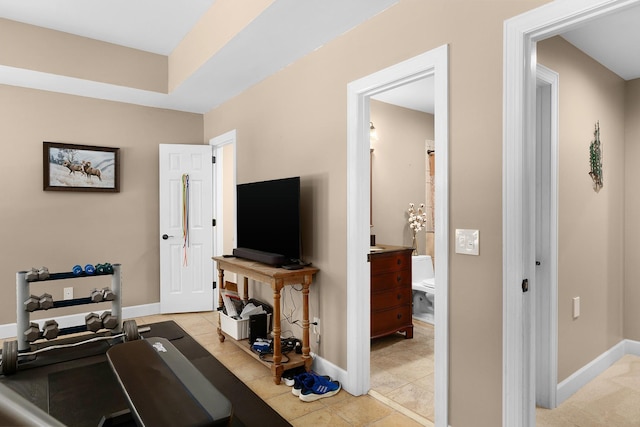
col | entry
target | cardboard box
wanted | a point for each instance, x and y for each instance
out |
(237, 329)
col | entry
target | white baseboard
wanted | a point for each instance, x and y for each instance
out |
(632, 347)
(324, 367)
(9, 330)
(594, 368)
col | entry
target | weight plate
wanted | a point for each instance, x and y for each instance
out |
(9, 357)
(130, 329)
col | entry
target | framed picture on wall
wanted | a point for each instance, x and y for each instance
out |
(71, 167)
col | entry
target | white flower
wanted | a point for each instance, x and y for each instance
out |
(417, 221)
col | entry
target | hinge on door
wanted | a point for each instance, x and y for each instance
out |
(525, 285)
(213, 222)
(213, 159)
(214, 285)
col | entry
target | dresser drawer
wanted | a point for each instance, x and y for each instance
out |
(390, 280)
(390, 298)
(392, 261)
(389, 321)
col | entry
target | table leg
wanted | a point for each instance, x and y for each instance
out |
(245, 295)
(277, 369)
(220, 303)
(305, 324)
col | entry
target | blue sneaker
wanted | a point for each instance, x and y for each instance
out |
(299, 380)
(318, 387)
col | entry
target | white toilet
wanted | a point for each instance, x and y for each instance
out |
(423, 283)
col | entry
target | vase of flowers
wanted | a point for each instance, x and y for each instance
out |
(417, 222)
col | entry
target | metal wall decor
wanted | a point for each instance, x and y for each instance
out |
(595, 159)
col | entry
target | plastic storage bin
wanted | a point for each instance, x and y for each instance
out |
(237, 329)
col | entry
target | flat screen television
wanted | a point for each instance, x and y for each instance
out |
(268, 220)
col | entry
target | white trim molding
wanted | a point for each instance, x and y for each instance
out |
(545, 284)
(433, 63)
(591, 370)
(521, 34)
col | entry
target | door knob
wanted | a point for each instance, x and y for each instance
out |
(165, 236)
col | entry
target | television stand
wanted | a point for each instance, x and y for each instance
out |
(277, 278)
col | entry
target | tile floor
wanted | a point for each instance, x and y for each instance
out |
(402, 372)
(611, 399)
(342, 409)
(402, 398)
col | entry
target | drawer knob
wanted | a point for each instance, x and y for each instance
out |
(399, 296)
(399, 316)
(399, 261)
(399, 278)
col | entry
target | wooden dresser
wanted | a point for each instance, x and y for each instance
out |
(391, 295)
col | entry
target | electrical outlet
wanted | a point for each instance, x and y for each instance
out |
(576, 307)
(67, 293)
(316, 326)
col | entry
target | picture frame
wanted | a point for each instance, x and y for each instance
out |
(74, 167)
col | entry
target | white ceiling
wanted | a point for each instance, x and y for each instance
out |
(155, 26)
(286, 31)
(612, 41)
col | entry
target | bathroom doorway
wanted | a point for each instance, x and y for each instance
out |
(433, 63)
(402, 134)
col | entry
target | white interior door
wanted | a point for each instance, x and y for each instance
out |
(186, 244)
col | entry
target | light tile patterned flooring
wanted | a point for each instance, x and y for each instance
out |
(342, 409)
(402, 376)
(611, 399)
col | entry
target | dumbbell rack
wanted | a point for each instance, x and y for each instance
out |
(23, 292)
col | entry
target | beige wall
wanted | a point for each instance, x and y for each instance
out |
(398, 171)
(632, 212)
(591, 225)
(60, 229)
(294, 123)
(55, 52)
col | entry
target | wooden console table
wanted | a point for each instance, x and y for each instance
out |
(277, 278)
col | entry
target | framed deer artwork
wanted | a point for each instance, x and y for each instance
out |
(71, 167)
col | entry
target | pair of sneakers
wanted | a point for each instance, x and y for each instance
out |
(309, 386)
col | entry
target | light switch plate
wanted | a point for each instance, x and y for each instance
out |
(576, 307)
(467, 242)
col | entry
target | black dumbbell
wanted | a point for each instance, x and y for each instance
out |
(46, 301)
(32, 303)
(108, 295)
(33, 332)
(50, 329)
(93, 322)
(96, 295)
(109, 321)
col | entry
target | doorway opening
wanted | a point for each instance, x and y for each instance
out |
(433, 63)
(224, 199)
(519, 205)
(402, 156)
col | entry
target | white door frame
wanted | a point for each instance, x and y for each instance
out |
(433, 63)
(545, 286)
(521, 34)
(217, 143)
